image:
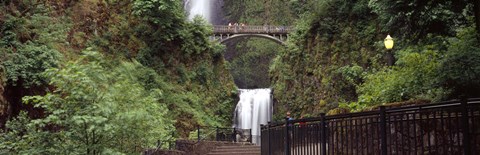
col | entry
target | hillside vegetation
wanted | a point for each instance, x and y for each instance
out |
(249, 59)
(335, 60)
(105, 77)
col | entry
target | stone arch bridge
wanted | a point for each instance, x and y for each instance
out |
(224, 33)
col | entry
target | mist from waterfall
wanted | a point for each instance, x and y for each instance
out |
(253, 109)
(211, 10)
(199, 7)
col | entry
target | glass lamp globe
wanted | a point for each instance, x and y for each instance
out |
(388, 42)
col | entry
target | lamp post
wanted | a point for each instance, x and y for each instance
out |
(389, 45)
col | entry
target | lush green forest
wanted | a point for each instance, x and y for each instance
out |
(105, 77)
(112, 77)
(249, 59)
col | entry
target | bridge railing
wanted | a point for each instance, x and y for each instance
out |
(442, 128)
(206, 133)
(225, 29)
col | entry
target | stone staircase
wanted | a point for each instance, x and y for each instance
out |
(236, 150)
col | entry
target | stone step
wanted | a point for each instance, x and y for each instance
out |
(238, 146)
(235, 153)
(224, 150)
(236, 150)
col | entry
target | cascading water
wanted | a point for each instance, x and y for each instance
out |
(253, 109)
(211, 10)
(255, 105)
(198, 7)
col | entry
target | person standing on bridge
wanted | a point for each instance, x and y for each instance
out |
(229, 26)
(236, 27)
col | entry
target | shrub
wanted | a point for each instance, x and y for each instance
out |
(460, 69)
(96, 108)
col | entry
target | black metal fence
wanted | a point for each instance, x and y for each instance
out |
(442, 128)
(223, 134)
(161, 145)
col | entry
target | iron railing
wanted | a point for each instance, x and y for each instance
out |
(223, 134)
(443, 128)
(224, 29)
(204, 133)
(161, 145)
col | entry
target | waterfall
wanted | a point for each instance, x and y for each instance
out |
(198, 7)
(253, 109)
(211, 10)
(255, 105)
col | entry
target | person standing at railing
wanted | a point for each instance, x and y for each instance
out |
(288, 116)
(236, 27)
(289, 126)
(302, 124)
(242, 27)
(302, 129)
(229, 26)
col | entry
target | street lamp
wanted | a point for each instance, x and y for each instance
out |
(389, 45)
(388, 42)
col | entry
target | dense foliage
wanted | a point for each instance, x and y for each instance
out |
(459, 70)
(249, 62)
(417, 18)
(336, 57)
(249, 59)
(154, 75)
(89, 112)
(326, 57)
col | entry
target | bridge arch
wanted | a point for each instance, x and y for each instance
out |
(278, 40)
(224, 33)
(230, 33)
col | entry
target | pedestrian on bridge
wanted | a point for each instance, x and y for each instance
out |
(236, 27)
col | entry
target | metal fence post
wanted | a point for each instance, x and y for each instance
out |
(170, 142)
(216, 133)
(169, 145)
(287, 137)
(465, 128)
(323, 136)
(234, 135)
(198, 133)
(383, 130)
